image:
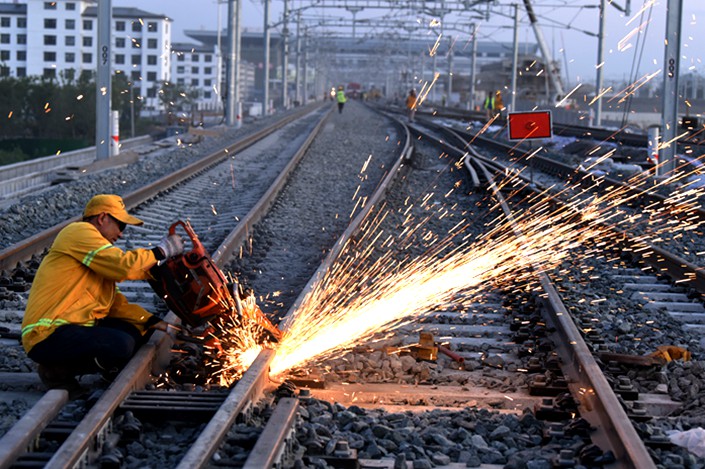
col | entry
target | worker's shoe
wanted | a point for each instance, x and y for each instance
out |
(108, 373)
(57, 377)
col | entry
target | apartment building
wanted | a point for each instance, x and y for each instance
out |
(59, 39)
(200, 69)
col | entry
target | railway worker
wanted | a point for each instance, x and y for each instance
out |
(340, 97)
(411, 105)
(76, 320)
(498, 104)
(488, 105)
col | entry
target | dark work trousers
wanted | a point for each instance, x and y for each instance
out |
(112, 342)
(340, 107)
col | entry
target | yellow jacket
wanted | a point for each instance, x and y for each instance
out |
(410, 102)
(340, 96)
(76, 284)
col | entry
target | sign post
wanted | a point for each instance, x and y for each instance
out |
(529, 126)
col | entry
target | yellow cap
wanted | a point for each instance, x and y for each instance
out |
(111, 204)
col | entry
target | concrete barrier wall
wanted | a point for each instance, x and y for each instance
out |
(18, 178)
(80, 157)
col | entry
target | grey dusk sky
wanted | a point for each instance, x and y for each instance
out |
(563, 22)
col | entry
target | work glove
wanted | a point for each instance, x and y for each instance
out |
(171, 246)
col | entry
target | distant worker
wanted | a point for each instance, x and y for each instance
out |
(498, 105)
(488, 105)
(411, 105)
(76, 320)
(340, 97)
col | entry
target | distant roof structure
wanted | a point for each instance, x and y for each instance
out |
(191, 47)
(128, 12)
(366, 45)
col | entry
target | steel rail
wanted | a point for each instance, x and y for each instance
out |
(586, 380)
(207, 443)
(19, 252)
(678, 269)
(579, 176)
(16, 441)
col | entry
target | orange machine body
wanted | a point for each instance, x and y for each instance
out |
(192, 286)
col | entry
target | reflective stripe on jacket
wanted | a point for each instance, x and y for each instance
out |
(76, 284)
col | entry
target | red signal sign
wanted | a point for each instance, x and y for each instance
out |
(530, 125)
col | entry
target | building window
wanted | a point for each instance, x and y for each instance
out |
(151, 76)
(194, 82)
(119, 59)
(49, 23)
(120, 42)
(22, 55)
(136, 26)
(87, 41)
(208, 58)
(152, 93)
(4, 71)
(207, 94)
(152, 27)
(21, 71)
(21, 22)
(180, 58)
(135, 44)
(87, 25)
(70, 24)
(119, 26)
(21, 39)
(180, 81)
(5, 22)
(49, 40)
(70, 6)
(208, 70)
(194, 70)
(87, 57)
(207, 82)
(151, 43)
(4, 55)
(49, 73)
(151, 60)
(50, 5)
(4, 38)
(194, 57)
(180, 69)
(50, 56)
(70, 57)
(136, 59)
(135, 75)
(70, 40)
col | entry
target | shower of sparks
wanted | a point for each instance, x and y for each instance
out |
(625, 43)
(239, 344)
(559, 104)
(425, 90)
(434, 50)
(360, 300)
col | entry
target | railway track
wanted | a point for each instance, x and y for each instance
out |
(472, 333)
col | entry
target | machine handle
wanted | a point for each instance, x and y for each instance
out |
(197, 251)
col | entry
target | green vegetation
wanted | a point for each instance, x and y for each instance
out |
(42, 116)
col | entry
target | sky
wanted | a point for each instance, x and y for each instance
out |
(562, 21)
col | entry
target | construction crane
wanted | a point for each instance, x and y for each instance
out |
(553, 73)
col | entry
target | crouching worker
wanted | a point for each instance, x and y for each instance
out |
(77, 321)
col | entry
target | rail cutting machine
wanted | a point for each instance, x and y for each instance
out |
(196, 290)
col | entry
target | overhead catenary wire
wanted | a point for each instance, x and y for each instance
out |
(636, 63)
